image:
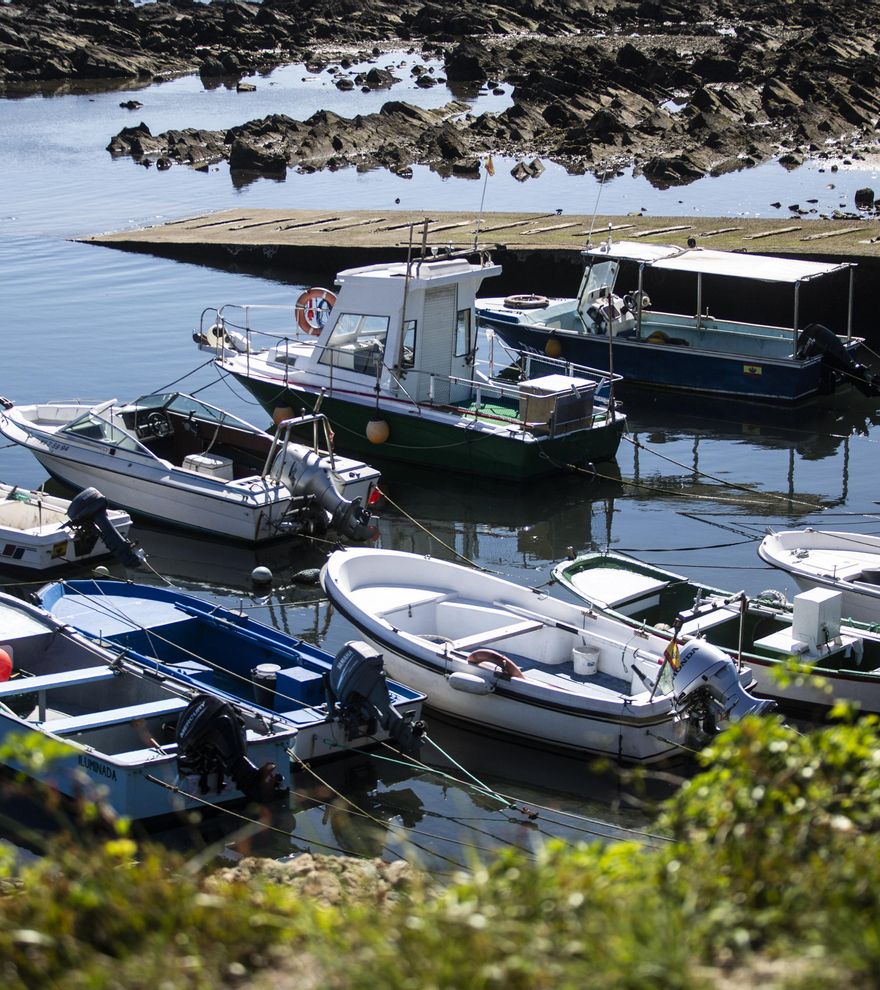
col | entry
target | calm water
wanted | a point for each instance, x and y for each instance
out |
(83, 321)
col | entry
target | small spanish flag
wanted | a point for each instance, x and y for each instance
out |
(671, 654)
(490, 167)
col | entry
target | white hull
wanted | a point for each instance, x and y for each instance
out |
(836, 561)
(34, 533)
(585, 683)
(195, 504)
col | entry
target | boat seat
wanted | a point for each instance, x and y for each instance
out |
(114, 716)
(394, 598)
(64, 678)
(592, 685)
(493, 635)
(709, 619)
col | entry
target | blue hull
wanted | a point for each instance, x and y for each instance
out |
(674, 366)
(217, 650)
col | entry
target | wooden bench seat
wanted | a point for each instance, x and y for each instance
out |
(115, 716)
(494, 635)
(64, 678)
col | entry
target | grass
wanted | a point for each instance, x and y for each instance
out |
(772, 876)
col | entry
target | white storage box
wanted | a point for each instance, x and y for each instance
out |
(210, 464)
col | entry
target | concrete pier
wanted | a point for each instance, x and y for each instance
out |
(539, 252)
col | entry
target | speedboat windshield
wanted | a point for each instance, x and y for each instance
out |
(97, 424)
(184, 405)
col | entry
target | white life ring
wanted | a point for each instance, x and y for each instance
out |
(312, 309)
(526, 302)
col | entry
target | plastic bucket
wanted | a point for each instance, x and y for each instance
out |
(585, 660)
(263, 676)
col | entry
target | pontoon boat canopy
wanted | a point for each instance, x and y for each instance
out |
(730, 264)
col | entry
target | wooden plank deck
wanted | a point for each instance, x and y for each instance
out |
(307, 230)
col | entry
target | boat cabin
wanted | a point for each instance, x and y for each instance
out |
(404, 327)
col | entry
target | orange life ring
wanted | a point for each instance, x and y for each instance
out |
(526, 302)
(498, 662)
(312, 309)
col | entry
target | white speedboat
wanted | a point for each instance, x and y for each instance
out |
(141, 745)
(393, 363)
(511, 660)
(844, 562)
(37, 531)
(608, 326)
(177, 460)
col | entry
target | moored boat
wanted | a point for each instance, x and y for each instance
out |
(42, 532)
(142, 746)
(606, 326)
(512, 661)
(837, 561)
(337, 703)
(392, 362)
(831, 659)
(175, 459)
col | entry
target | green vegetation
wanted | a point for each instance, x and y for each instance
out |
(772, 875)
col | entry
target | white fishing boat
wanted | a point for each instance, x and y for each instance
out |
(392, 360)
(511, 660)
(835, 659)
(38, 532)
(608, 326)
(141, 745)
(838, 561)
(172, 458)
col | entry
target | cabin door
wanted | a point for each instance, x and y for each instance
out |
(437, 343)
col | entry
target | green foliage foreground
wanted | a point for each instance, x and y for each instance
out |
(774, 855)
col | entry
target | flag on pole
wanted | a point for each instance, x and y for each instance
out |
(490, 167)
(671, 654)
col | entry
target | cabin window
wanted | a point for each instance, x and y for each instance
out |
(463, 333)
(601, 278)
(408, 355)
(357, 343)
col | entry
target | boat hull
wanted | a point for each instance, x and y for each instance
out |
(417, 439)
(216, 650)
(148, 494)
(669, 366)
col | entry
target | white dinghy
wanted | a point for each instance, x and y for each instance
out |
(837, 561)
(38, 532)
(175, 459)
(511, 660)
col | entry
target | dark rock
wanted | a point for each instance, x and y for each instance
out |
(249, 156)
(864, 198)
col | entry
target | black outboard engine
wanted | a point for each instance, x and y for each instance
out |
(817, 339)
(88, 515)
(708, 689)
(211, 743)
(357, 694)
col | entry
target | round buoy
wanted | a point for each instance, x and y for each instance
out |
(261, 575)
(5, 666)
(101, 571)
(378, 431)
(552, 348)
(280, 413)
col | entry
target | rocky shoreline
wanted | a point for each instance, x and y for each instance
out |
(678, 90)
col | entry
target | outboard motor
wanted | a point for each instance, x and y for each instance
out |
(358, 695)
(88, 515)
(302, 471)
(707, 687)
(817, 339)
(211, 743)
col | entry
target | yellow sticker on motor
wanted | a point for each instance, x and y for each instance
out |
(59, 549)
(752, 369)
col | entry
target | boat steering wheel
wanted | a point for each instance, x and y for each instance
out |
(158, 425)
